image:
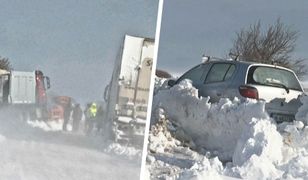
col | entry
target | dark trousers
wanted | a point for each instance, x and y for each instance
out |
(90, 125)
(64, 127)
(76, 124)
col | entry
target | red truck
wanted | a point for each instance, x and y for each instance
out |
(57, 110)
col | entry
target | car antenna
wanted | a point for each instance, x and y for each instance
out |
(273, 62)
(235, 57)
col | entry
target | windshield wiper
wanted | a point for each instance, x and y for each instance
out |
(279, 85)
(275, 84)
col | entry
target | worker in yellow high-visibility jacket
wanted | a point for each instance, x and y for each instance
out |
(92, 111)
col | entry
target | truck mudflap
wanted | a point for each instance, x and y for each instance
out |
(129, 131)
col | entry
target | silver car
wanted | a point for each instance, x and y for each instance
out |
(276, 85)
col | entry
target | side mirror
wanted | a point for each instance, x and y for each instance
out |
(48, 82)
(171, 82)
(106, 93)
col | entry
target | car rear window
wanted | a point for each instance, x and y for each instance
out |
(271, 76)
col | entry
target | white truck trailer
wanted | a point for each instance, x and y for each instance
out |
(127, 94)
(25, 91)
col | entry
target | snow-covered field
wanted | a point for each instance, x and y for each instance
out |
(191, 138)
(36, 150)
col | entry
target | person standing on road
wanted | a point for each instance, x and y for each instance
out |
(92, 112)
(66, 115)
(87, 117)
(99, 118)
(77, 115)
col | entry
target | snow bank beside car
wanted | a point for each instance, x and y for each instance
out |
(260, 138)
(302, 114)
(246, 140)
(216, 127)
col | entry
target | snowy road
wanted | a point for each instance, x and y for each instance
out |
(35, 154)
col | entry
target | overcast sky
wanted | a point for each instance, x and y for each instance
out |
(190, 28)
(75, 42)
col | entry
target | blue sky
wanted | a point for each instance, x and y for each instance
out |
(75, 42)
(190, 28)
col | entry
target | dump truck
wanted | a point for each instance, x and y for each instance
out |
(25, 91)
(127, 94)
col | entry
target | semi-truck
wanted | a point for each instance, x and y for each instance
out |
(127, 94)
(25, 91)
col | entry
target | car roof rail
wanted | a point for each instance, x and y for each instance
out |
(212, 58)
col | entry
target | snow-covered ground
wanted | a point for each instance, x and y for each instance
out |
(191, 138)
(36, 150)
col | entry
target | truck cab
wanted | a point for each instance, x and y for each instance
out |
(26, 89)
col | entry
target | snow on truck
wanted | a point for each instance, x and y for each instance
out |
(25, 90)
(128, 92)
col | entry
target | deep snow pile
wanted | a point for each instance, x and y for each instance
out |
(214, 126)
(241, 134)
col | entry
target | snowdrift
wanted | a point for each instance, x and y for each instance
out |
(229, 138)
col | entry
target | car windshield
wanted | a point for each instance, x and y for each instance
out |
(271, 76)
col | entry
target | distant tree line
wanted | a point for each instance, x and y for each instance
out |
(5, 64)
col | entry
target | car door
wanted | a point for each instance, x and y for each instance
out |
(217, 81)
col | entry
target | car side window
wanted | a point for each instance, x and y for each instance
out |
(230, 72)
(195, 74)
(220, 72)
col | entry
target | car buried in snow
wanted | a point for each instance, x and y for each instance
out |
(279, 87)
